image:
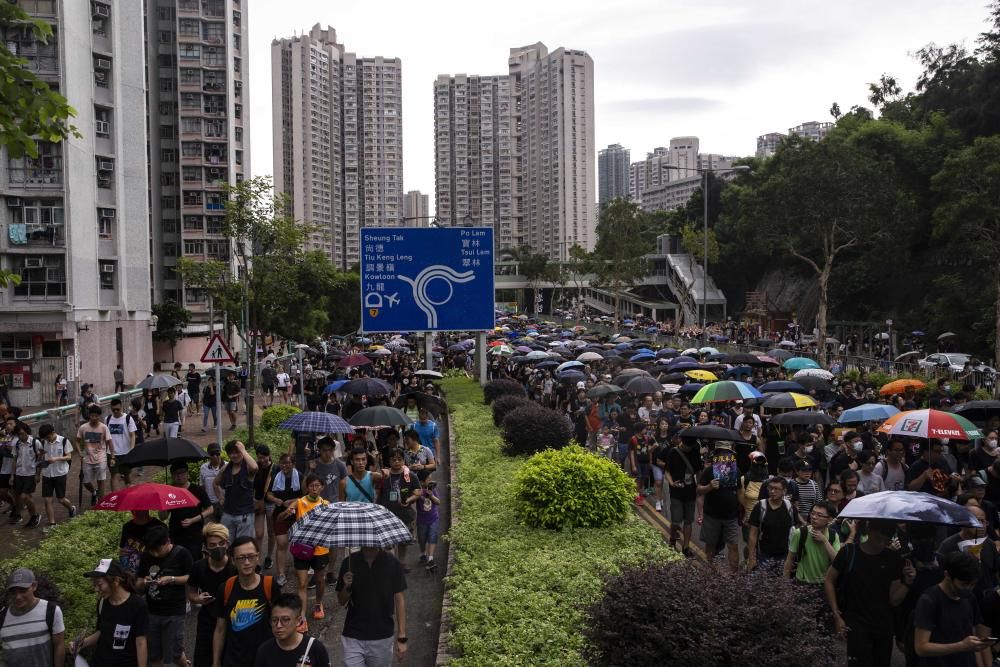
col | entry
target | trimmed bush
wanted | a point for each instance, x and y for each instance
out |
(531, 428)
(278, 440)
(572, 488)
(518, 593)
(687, 613)
(504, 404)
(494, 389)
(71, 549)
(274, 415)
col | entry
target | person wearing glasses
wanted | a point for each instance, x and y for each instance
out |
(289, 647)
(242, 608)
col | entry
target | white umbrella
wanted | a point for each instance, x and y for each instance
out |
(429, 374)
(589, 356)
(814, 372)
(568, 364)
(536, 354)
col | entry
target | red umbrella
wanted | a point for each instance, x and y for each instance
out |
(354, 360)
(147, 496)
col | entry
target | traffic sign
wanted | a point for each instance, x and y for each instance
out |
(426, 279)
(217, 352)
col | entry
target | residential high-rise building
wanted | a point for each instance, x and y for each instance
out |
(473, 153)
(555, 181)
(613, 171)
(636, 180)
(199, 139)
(75, 218)
(338, 139)
(767, 144)
(416, 209)
(814, 130)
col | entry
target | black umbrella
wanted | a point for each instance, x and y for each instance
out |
(978, 411)
(803, 418)
(380, 415)
(743, 359)
(779, 354)
(711, 432)
(782, 385)
(367, 387)
(910, 506)
(159, 381)
(571, 376)
(670, 378)
(163, 452)
(602, 390)
(642, 384)
(813, 383)
(433, 404)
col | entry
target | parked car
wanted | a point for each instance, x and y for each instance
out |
(954, 362)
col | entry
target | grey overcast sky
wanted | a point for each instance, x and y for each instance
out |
(723, 70)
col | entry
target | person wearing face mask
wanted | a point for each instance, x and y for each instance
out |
(207, 575)
(943, 393)
(986, 454)
(847, 457)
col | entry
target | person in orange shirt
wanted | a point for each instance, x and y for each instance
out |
(319, 559)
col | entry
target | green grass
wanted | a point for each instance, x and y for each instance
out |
(518, 592)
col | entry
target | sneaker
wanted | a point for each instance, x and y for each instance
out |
(318, 613)
(34, 521)
(72, 511)
(423, 558)
(431, 565)
(639, 500)
(267, 563)
(281, 580)
(659, 506)
(93, 498)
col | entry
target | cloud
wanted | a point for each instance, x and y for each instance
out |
(661, 105)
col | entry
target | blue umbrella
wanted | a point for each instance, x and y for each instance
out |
(316, 422)
(683, 359)
(917, 333)
(739, 370)
(334, 386)
(643, 356)
(798, 363)
(779, 386)
(691, 388)
(684, 366)
(571, 376)
(666, 352)
(566, 365)
(546, 365)
(628, 321)
(867, 412)
(622, 346)
(644, 350)
(651, 329)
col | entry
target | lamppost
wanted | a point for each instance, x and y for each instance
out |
(704, 263)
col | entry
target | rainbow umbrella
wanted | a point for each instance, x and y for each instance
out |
(727, 390)
(931, 424)
(798, 363)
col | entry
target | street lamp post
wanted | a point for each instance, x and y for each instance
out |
(704, 259)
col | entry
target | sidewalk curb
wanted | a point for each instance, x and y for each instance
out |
(444, 646)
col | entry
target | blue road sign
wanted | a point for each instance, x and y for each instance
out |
(426, 279)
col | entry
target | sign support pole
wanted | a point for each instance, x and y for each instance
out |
(429, 350)
(218, 405)
(481, 356)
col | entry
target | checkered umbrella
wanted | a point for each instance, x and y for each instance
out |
(350, 525)
(316, 422)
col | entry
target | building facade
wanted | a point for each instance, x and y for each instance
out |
(338, 139)
(74, 219)
(473, 180)
(613, 172)
(555, 180)
(416, 209)
(767, 144)
(199, 140)
(814, 130)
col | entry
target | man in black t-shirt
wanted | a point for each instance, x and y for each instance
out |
(163, 573)
(683, 466)
(718, 508)
(373, 582)
(243, 616)
(193, 379)
(186, 523)
(207, 576)
(289, 648)
(931, 472)
(770, 523)
(172, 409)
(947, 622)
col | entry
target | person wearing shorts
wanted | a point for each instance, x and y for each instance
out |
(284, 382)
(320, 558)
(93, 441)
(27, 452)
(719, 506)
(283, 491)
(58, 453)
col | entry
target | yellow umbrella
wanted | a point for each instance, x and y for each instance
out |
(375, 347)
(704, 376)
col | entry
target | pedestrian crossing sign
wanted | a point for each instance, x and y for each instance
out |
(217, 352)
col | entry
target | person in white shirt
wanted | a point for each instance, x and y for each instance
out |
(748, 413)
(58, 453)
(892, 469)
(27, 450)
(208, 472)
(283, 381)
(123, 429)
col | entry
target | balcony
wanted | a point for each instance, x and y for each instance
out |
(22, 235)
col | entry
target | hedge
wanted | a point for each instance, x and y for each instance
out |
(519, 593)
(71, 549)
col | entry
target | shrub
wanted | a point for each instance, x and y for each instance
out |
(504, 404)
(532, 428)
(278, 440)
(274, 415)
(518, 593)
(572, 488)
(494, 389)
(738, 619)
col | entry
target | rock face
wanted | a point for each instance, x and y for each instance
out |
(789, 291)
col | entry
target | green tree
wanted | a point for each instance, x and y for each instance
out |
(969, 211)
(172, 317)
(622, 243)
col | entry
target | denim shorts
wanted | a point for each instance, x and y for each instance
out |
(427, 533)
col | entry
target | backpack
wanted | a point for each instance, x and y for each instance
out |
(764, 508)
(50, 614)
(803, 536)
(885, 469)
(231, 584)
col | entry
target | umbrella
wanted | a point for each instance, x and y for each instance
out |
(691, 352)
(813, 383)
(316, 422)
(680, 378)
(683, 359)
(643, 356)
(424, 400)
(813, 372)
(691, 388)
(708, 350)
(334, 386)
(913, 506)
(667, 352)
(380, 415)
(781, 385)
(367, 387)
(947, 334)
(429, 374)
(867, 413)
(349, 525)
(733, 372)
(502, 349)
(931, 424)
(711, 432)
(684, 366)
(547, 364)
(744, 359)
(589, 356)
(802, 418)
(899, 386)
(147, 496)
(786, 344)
(780, 355)
(568, 364)
(571, 376)
(978, 410)
(163, 452)
(602, 390)
(917, 333)
(671, 388)
(907, 355)
(788, 400)
(380, 353)
(354, 360)
(798, 363)
(642, 384)
(536, 355)
(704, 376)
(727, 390)
(158, 381)
(765, 360)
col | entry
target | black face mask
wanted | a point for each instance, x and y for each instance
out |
(216, 553)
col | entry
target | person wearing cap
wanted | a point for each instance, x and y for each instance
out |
(32, 631)
(718, 506)
(122, 620)
(808, 490)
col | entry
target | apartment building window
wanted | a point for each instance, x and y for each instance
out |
(169, 227)
(166, 13)
(214, 33)
(42, 171)
(191, 100)
(213, 57)
(166, 36)
(192, 174)
(237, 63)
(107, 274)
(191, 149)
(237, 41)
(39, 57)
(189, 51)
(191, 125)
(189, 27)
(42, 276)
(168, 155)
(217, 249)
(193, 223)
(194, 247)
(168, 203)
(193, 199)
(167, 132)
(238, 111)
(195, 296)
(47, 7)
(213, 224)
(190, 76)
(168, 178)
(166, 85)
(167, 108)
(215, 128)
(238, 89)
(169, 249)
